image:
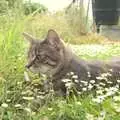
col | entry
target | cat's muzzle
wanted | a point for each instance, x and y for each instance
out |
(30, 63)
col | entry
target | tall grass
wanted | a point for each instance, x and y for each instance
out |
(11, 42)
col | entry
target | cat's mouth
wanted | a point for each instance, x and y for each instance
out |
(45, 71)
(41, 69)
(30, 64)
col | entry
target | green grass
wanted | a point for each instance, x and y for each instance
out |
(20, 100)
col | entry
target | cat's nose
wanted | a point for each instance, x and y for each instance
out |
(27, 66)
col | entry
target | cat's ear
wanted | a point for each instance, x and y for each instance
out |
(29, 37)
(53, 37)
(52, 34)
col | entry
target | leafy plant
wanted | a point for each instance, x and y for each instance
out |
(32, 7)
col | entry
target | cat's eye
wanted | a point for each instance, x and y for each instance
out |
(41, 58)
(45, 61)
(38, 57)
(44, 58)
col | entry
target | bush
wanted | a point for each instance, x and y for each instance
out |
(3, 6)
(32, 7)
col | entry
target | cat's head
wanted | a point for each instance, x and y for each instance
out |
(45, 56)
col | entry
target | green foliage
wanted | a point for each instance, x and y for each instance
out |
(27, 7)
(9, 4)
(61, 110)
(3, 6)
(11, 7)
(12, 3)
(32, 7)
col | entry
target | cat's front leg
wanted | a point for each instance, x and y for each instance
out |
(59, 88)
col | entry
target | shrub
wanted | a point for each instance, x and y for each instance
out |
(32, 7)
(3, 6)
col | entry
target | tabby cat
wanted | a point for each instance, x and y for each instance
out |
(55, 59)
